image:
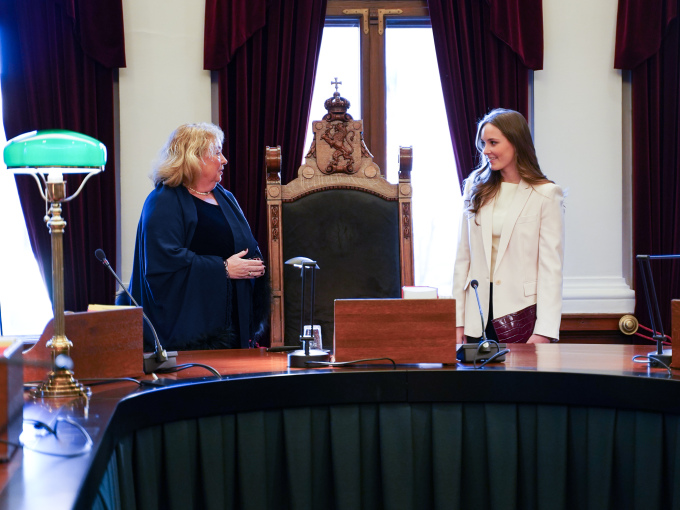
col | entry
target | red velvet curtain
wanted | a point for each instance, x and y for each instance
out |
(647, 43)
(228, 25)
(58, 59)
(484, 50)
(265, 89)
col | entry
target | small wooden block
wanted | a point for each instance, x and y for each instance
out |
(11, 398)
(405, 330)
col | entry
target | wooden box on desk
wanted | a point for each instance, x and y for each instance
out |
(405, 330)
(105, 344)
(11, 397)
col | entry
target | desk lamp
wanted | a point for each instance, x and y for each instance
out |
(299, 358)
(661, 355)
(50, 154)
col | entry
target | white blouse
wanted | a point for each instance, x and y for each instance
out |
(502, 202)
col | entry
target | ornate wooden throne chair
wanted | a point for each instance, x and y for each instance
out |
(342, 213)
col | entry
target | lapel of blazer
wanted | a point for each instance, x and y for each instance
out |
(486, 220)
(521, 196)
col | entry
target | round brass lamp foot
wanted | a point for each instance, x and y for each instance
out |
(61, 384)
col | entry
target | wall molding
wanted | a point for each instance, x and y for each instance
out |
(597, 295)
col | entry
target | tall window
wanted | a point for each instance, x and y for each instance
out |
(387, 64)
(25, 306)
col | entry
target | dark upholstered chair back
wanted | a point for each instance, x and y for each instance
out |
(354, 238)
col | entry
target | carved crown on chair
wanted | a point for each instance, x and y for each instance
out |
(337, 107)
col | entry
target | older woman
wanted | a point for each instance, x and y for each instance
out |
(197, 268)
(511, 237)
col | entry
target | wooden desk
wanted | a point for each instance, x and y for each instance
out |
(576, 382)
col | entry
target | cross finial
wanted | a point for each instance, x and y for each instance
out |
(336, 83)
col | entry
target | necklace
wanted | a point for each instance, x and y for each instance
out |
(205, 194)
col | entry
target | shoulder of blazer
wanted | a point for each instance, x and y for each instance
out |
(548, 190)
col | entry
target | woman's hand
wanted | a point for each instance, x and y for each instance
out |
(244, 269)
(460, 335)
(538, 339)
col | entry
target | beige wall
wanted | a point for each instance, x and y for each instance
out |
(577, 105)
(578, 118)
(164, 85)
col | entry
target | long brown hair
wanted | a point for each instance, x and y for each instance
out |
(486, 182)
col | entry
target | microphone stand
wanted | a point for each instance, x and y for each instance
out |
(661, 356)
(475, 284)
(299, 358)
(469, 353)
(160, 359)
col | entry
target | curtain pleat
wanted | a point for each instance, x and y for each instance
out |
(109, 493)
(396, 456)
(600, 457)
(345, 450)
(58, 68)
(504, 457)
(252, 461)
(519, 23)
(577, 445)
(121, 462)
(443, 455)
(672, 461)
(648, 44)
(552, 459)
(640, 29)
(648, 461)
(148, 468)
(527, 454)
(265, 93)
(478, 71)
(184, 487)
(228, 25)
(447, 448)
(299, 439)
(421, 450)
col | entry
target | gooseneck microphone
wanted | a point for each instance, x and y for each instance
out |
(160, 358)
(474, 284)
(484, 350)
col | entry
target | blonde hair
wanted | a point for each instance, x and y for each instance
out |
(486, 182)
(179, 161)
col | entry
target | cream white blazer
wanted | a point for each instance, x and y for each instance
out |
(528, 264)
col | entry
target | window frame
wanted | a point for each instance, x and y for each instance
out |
(372, 47)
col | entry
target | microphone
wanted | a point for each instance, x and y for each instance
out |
(160, 359)
(474, 284)
(471, 353)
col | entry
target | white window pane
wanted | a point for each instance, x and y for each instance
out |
(416, 116)
(24, 303)
(339, 58)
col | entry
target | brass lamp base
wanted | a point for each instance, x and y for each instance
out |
(61, 384)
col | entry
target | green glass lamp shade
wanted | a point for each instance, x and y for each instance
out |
(64, 151)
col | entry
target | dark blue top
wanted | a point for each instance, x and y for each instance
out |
(185, 293)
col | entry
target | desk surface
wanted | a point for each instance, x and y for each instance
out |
(585, 375)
